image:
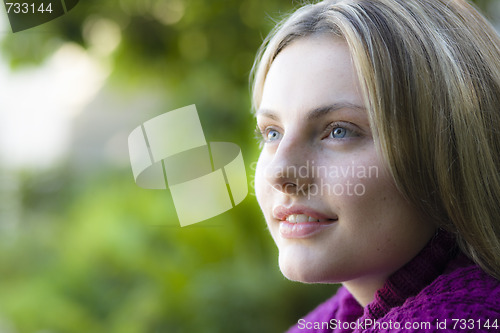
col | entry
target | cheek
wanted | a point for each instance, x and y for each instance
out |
(261, 185)
(381, 193)
(361, 188)
(354, 178)
(264, 194)
(368, 204)
(380, 216)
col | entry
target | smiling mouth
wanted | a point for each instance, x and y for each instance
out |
(299, 222)
(303, 218)
(301, 214)
(300, 226)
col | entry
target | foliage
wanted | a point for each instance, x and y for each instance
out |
(98, 254)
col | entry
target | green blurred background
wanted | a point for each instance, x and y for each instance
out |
(82, 248)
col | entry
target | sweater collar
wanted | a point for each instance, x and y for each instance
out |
(414, 276)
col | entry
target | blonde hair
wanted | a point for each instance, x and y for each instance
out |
(430, 72)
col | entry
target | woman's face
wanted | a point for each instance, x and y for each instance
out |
(329, 202)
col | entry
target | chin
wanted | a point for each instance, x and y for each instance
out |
(311, 268)
(302, 272)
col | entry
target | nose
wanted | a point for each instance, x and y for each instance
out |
(291, 169)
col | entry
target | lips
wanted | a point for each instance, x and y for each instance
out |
(301, 221)
(297, 214)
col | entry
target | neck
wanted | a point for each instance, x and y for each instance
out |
(363, 290)
(380, 292)
(379, 295)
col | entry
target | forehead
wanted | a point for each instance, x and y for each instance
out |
(309, 73)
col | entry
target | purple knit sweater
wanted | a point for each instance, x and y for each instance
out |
(438, 291)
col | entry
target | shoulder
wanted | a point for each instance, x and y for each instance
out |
(341, 306)
(466, 287)
(464, 296)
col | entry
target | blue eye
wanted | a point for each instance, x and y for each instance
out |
(273, 135)
(338, 133)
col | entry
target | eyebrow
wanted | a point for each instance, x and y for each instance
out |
(315, 113)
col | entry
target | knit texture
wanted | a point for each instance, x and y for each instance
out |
(440, 290)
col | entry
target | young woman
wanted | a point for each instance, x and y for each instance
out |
(380, 165)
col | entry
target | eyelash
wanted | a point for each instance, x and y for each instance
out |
(345, 125)
(261, 134)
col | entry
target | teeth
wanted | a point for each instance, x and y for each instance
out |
(301, 218)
